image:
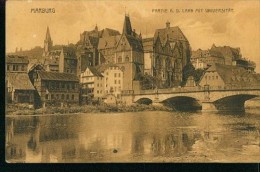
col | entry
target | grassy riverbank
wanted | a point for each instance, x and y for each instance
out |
(23, 110)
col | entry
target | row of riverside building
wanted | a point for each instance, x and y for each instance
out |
(104, 64)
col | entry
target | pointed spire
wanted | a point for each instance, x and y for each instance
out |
(127, 28)
(140, 35)
(48, 35)
(47, 43)
(96, 28)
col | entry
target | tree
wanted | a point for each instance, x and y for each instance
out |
(198, 73)
(187, 71)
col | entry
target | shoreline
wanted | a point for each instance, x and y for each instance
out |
(86, 109)
(23, 110)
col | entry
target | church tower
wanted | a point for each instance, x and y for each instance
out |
(47, 43)
(129, 55)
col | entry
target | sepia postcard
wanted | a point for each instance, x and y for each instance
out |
(132, 81)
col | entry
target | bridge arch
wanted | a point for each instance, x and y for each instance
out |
(233, 102)
(182, 103)
(145, 101)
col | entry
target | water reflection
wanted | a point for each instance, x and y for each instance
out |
(126, 137)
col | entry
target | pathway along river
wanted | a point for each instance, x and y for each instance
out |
(135, 137)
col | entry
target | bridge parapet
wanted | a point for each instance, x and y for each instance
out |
(196, 89)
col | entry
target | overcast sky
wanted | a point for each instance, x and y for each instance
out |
(239, 28)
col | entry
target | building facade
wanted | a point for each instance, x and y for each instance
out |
(113, 80)
(220, 76)
(92, 84)
(19, 87)
(202, 59)
(55, 88)
(16, 64)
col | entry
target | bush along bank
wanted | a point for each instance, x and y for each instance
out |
(85, 109)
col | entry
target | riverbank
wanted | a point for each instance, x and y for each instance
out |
(23, 110)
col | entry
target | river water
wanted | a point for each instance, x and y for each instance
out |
(135, 137)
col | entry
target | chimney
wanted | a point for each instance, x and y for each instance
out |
(168, 24)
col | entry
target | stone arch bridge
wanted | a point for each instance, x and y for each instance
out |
(198, 98)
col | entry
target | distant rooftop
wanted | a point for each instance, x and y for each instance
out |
(16, 59)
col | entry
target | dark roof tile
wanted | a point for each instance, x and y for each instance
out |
(55, 76)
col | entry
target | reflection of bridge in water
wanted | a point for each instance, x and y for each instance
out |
(213, 99)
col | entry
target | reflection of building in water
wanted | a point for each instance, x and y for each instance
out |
(69, 139)
(17, 135)
(176, 143)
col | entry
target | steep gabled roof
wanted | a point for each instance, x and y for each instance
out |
(227, 51)
(20, 81)
(171, 33)
(215, 53)
(135, 43)
(234, 75)
(94, 71)
(55, 76)
(109, 32)
(108, 42)
(39, 66)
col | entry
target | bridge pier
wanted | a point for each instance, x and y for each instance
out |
(209, 106)
(157, 104)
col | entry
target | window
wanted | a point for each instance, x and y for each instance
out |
(126, 59)
(216, 77)
(100, 91)
(68, 97)
(62, 96)
(97, 85)
(15, 67)
(118, 81)
(115, 74)
(97, 91)
(119, 75)
(119, 60)
(8, 67)
(52, 96)
(212, 77)
(115, 81)
(72, 97)
(46, 97)
(57, 96)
